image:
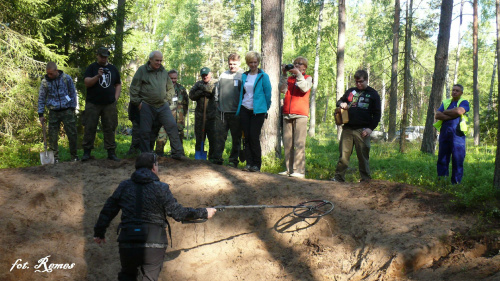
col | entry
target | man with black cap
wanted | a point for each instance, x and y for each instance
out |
(103, 83)
(203, 93)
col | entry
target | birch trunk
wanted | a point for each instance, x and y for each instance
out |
(393, 92)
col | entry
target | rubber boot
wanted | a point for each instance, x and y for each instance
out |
(112, 155)
(86, 154)
(160, 148)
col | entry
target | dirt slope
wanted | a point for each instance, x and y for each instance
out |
(378, 231)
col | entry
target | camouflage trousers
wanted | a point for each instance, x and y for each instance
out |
(162, 135)
(210, 135)
(223, 123)
(67, 117)
(109, 121)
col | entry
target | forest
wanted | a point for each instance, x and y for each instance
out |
(406, 223)
(414, 51)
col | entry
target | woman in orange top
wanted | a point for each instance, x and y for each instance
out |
(297, 88)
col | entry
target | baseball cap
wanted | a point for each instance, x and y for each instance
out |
(103, 52)
(204, 70)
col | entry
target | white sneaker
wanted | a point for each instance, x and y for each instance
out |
(285, 173)
(298, 175)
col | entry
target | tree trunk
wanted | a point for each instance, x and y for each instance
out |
(475, 86)
(272, 48)
(459, 45)
(407, 77)
(340, 55)
(440, 62)
(496, 177)
(393, 92)
(490, 96)
(252, 24)
(312, 106)
(382, 126)
(120, 22)
(447, 79)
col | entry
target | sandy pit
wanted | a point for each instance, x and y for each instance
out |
(377, 231)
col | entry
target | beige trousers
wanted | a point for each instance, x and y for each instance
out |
(294, 141)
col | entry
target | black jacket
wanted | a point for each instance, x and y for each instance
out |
(364, 108)
(158, 203)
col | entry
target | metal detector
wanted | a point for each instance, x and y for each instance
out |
(309, 209)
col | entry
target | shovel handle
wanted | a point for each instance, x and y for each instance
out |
(44, 136)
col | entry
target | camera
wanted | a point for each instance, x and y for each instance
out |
(289, 66)
(106, 70)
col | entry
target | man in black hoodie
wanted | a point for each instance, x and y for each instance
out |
(145, 203)
(364, 109)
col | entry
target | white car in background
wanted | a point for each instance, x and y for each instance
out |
(412, 133)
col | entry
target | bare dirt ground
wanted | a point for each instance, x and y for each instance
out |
(377, 231)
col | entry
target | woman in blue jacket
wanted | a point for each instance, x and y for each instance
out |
(255, 100)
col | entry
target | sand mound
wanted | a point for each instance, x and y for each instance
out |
(377, 231)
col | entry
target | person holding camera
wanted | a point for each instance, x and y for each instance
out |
(145, 203)
(104, 85)
(296, 88)
(255, 101)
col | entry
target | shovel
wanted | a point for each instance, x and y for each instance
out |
(242, 148)
(202, 155)
(46, 157)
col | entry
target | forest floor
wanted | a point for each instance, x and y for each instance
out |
(378, 231)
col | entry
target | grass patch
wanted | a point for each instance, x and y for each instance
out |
(386, 163)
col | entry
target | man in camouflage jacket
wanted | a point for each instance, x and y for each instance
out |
(57, 93)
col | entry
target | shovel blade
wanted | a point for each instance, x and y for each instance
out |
(242, 155)
(47, 157)
(200, 155)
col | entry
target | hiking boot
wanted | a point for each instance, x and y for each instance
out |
(254, 169)
(56, 161)
(336, 180)
(160, 148)
(284, 173)
(131, 152)
(180, 157)
(86, 154)
(246, 168)
(298, 175)
(112, 155)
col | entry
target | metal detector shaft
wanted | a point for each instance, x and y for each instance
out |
(222, 208)
(308, 209)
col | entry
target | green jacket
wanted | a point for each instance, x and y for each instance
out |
(153, 87)
(198, 92)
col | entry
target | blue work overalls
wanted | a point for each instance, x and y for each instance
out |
(452, 145)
